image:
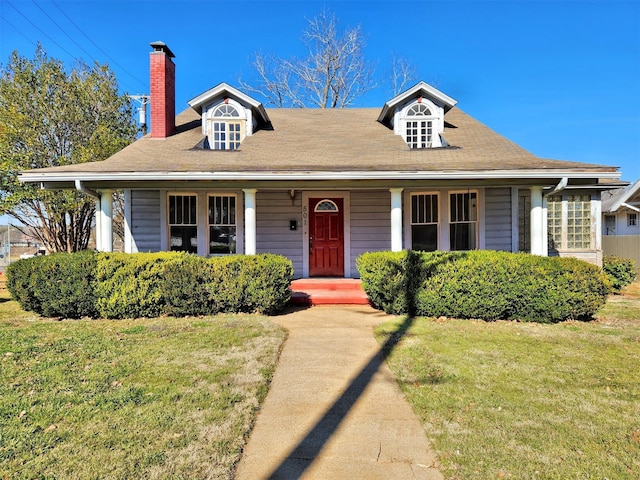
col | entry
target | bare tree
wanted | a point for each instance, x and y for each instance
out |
(275, 82)
(401, 75)
(333, 74)
(60, 221)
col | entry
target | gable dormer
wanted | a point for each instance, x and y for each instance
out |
(417, 115)
(228, 116)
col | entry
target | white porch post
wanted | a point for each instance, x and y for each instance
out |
(106, 221)
(249, 221)
(538, 231)
(98, 216)
(396, 219)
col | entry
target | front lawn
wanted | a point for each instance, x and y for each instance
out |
(523, 400)
(154, 398)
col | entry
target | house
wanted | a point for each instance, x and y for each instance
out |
(621, 210)
(322, 186)
(621, 222)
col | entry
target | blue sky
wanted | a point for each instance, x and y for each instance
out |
(562, 79)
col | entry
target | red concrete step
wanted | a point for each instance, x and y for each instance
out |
(328, 291)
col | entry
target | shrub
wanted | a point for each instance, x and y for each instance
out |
(486, 285)
(58, 285)
(130, 285)
(186, 286)
(391, 279)
(498, 285)
(169, 283)
(384, 277)
(268, 279)
(621, 271)
(120, 285)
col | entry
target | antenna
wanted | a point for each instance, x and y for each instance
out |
(142, 110)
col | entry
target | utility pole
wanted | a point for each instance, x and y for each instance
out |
(143, 100)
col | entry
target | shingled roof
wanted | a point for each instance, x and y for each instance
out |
(321, 140)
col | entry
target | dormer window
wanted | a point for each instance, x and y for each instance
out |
(227, 130)
(228, 116)
(419, 126)
(417, 115)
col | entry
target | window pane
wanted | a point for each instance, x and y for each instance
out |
(222, 227)
(424, 237)
(222, 240)
(184, 239)
(183, 210)
(463, 236)
(464, 207)
(579, 221)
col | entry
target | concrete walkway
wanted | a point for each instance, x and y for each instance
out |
(334, 410)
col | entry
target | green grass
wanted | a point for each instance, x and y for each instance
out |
(158, 398)
(523, 400)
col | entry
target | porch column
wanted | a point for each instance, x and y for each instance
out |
(396, 219)
(98, 218)
(106, 221)
(538, 232)
(249, 221)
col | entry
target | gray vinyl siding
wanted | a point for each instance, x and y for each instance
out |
(370, 223)
(145, 220)
(497, 216)
(274, 211)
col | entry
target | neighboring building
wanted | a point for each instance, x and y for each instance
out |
(621, 211)
(323, 186)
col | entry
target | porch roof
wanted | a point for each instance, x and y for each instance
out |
(322, 144)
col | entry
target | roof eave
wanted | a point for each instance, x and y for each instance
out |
(50, 178)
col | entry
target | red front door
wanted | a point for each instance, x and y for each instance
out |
(326, 237)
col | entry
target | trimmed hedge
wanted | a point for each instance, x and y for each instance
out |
(485, 285)
(58, 285)
(119, 285)
(621, 271)
(392, 279)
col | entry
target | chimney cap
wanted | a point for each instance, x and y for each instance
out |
(162, 47)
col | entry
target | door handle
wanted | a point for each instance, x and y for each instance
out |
(310, 245)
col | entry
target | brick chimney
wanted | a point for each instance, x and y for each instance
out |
(163, 90)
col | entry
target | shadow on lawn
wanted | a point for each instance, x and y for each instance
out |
(304, 454)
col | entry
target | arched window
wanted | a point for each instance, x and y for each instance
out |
(226, 110)
(226, 129)
(418, 110)
(419, 126)
(326, 206)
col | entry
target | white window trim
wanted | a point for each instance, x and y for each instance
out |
(436, 118)
(208, 225)
(167, 224)
(202, 212)
(444, 241)
(477, 219)
(245, 118)
(635, 220)
(410, 217)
